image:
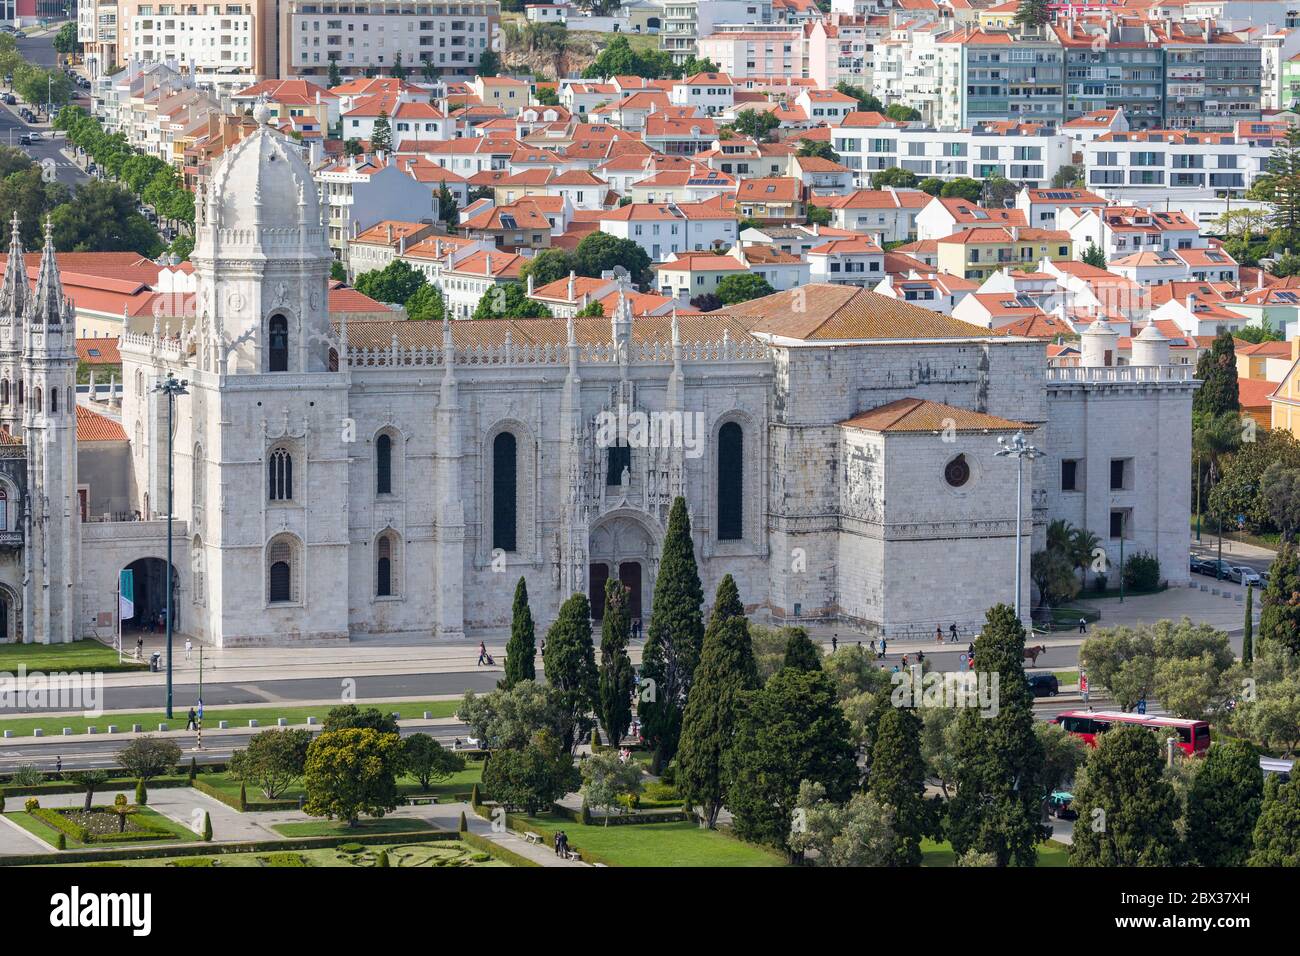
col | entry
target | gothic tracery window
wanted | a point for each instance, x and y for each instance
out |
(281, 571)
(280, 475)
(384, 465)
(278, 344)
(731, 486)
(505, 471)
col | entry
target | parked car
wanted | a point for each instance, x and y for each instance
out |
(10, 99)
(1060, 804)
(1244, 575)
(24, 140)
(1043, 685)
(1215, 568)
(1204, 566)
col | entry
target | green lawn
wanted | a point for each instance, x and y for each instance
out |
(37, 827)
(659, 844)
(1050, 853)
(319, 828)
(87, 656)
(452, 790)
(238, 716)
(437, 853)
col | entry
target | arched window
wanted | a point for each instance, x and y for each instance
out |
(139, 383)
(280, 475)
(54, 401)
(333, 360)
(4, 509)
(505, 471)
(4, 391)
(278, 346)
(731, 486)
(197, 570)
(384, 566)
(20, 391)
(617, 458)
(38, 398)
(281, 573)
(384, 465)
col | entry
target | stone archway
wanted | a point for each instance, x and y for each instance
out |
(149, 578)
(624, 544)
(10, 615)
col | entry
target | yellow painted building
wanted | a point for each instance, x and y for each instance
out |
(979, 252)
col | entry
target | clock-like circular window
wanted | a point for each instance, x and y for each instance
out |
(957, 471)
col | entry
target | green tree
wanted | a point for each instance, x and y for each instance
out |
(1130, 809)
(998, 193)
(350, 772)
(381, 134)
(592, 310)
(521, 649)
(673, 640)
(818, 215)
(1000, 760)
(963, 187)
(755, 124)
(898, 781)
(1248, 627)
(147, 757)
(607, 779)
(1284, 183)
(426, 304)
(1120, 660)
(337, 272)
(615, 683)
(894, 176)
(508, 719)
(102, 217)
(1034, 13)
(601, 252)
(489, 63)
(1280, 489)
(857, 833)
(742, 287)
(399, 68)
(867, 103)
(335, 77)
(725, 671)
(1224, 805)
(800, 652)
(65, 40)
(790, 731)
(1217, 370)
(273, 760)
(509, 301)
(352, 717)
(1068, 177)
(1277, 833)
(1094, 256)
(428, 761)
(1279, 616)
(822, 150)
(89, 781)
(448, 208)
(902, 113)
(393, 284)
(533, 777)
(570, 662)
(549, 265)
(546, 96)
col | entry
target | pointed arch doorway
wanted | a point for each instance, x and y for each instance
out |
(626, 546)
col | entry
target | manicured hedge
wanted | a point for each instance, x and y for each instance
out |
(493, 849)
(250, 806)
(218, 849)
(121, 783)
(146, 831)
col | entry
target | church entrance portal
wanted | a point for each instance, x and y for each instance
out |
(150, 582)
(623, 547)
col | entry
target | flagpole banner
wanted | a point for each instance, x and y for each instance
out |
(126, 595)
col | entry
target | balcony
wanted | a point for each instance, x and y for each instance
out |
(11, 539)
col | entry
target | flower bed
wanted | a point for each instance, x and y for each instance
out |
(100, 825)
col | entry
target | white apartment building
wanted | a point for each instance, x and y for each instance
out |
(685, 21)
(450, 38)
(1131, 166)
(218, 44)
(754, 52)
(664, 229)
(360, 191)
(910, 66)
(1028, 154)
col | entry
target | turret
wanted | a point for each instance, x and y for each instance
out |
(1150, 347)
(1099, 344)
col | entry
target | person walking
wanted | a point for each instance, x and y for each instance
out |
(189, 646)
(952, 633)
(1083, 689)
(938, 634)
(191, 720)
(1083, 625)
(139, 648)
(58, 764)
(883, 647)
(482, 654)
(835, 643)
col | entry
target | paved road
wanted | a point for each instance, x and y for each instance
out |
(38, 50)
(86, 753)
(215, 694)
(46, 148)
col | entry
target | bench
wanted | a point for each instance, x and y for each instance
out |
(532, 838)
(421, 801)
(571, 855)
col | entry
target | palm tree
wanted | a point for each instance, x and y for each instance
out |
(1083, 545)
(1060, 534)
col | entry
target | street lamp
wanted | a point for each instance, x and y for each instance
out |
(171, 387)
(1019, 449)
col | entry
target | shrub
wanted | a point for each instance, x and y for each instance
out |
(194, 861)
(661, 793)
(1142, 572)
(26, 775)
(62, 842)
(669, 774)
(141, 794)
(350, 848)
(586, 814)
(382, 859)
(207, 827)
(595, 739)
(31, 804)
(282, 859)
(474, 798)
(1099, 582)
(243, 798)
(193, 770)
(462, 825)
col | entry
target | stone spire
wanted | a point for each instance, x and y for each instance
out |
(49, 306)
(14, 290)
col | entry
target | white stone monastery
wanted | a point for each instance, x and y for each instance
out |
(835, 449)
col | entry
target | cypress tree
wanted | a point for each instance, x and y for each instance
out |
(898, 779)
(1033, 13)
(726, 669)
(1139, 809)
(207, 827)
(462, 825)
(570, 662)
(1279, 616)
(615, 683)
(1217, 370)
(673, 639)
(382, 859)
(194, 770)
(243, 798)
(800, 652)
(521, 649)
(474, 798)
(1248, 629)
(61, 842)
(999, 802)
(1224, 804)
(792, 729)
(1277, 834)
(141, 794)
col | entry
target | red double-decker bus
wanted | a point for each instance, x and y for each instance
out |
(1193, 735)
